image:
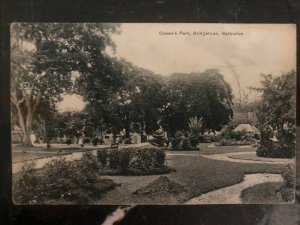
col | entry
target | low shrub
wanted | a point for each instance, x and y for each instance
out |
(95, 141)
(184, 141)
(86, 140)
(268, 148)
(138, 161)
(194, 140)
(124, 159)
(113, 158)
(102, 156)
(288, 189)
(289, 176)
(233, 142)
(158, 139)
(174, 142)
(60, 180)
(69, 141)
(127, 141)
(142, 160)
(160, 157)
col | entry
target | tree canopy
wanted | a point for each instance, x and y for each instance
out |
(44, 57)
(204, 95)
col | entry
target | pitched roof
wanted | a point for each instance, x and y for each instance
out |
(245, 127)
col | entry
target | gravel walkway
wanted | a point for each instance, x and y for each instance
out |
(231, 194)
(226, 157)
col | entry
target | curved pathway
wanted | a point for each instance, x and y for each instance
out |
(232, 194)
(226, 157)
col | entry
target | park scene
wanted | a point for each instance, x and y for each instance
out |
(122, 114)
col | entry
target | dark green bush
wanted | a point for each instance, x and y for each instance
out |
(184, 144)
(127, 141)
(160, 157)
(143, 159)
(60, 180)
(174, 143)
(102, 156)
(194, 140)
(95, 141)
(124, 159)
(88, 162)
(158, 139)
(138, 161)
(113, 157)
(147, 159)
(268, 148)
(86, 140)
(289, 176)
(69, 141)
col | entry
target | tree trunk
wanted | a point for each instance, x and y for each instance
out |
(28, 129)
(127, 131)
(27, 140)
(114, 131)
(30, 106)
(21, 122)
(142, 133)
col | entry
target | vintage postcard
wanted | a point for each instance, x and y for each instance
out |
(126, 114)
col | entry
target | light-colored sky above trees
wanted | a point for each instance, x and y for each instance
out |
(261, 49)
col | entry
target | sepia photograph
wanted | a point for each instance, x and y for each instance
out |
(153, 113)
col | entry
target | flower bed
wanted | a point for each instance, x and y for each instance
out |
(233, 142)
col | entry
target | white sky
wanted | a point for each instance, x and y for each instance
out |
(71, 103)
(261, 49)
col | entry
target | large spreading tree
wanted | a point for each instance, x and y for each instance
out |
(44, 59)
(203, 95)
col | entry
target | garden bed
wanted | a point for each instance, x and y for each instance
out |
(79, 181)
(69, 182)
(205, 150)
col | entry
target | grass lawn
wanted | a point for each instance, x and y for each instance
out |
(200, 175)
(206, 150)
(267, 193)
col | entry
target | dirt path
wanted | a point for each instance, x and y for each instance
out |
(231, 194)
(226, 157)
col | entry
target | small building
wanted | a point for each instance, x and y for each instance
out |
(247, 128)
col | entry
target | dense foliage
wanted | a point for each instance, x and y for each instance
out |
(133, 161)
(61, 181)
(277, 116)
